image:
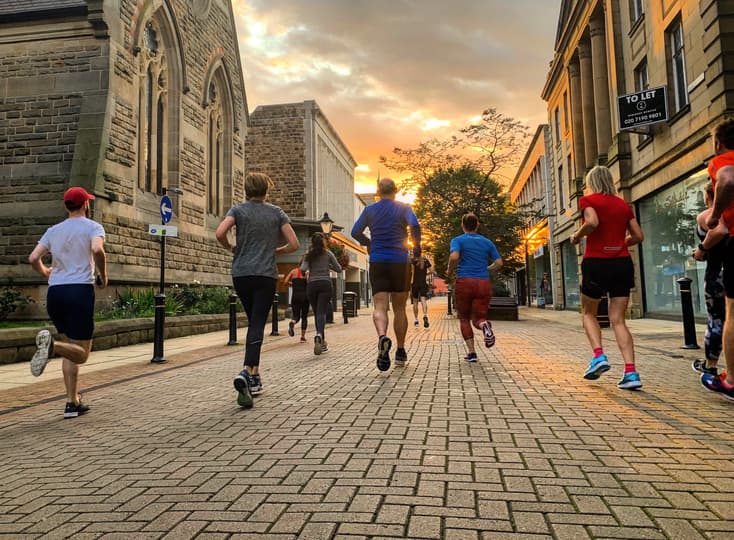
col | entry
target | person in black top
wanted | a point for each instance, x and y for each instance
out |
(299, 300)
(711, 249)
(419, 288)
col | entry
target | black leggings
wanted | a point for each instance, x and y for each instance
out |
(319, 296)
(256, 294)
(299, 306)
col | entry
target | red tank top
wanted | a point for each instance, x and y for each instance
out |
(723, 160)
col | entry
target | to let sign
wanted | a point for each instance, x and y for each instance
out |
(641, 108)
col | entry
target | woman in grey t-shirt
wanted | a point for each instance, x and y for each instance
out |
(317, 262)
(259, 226)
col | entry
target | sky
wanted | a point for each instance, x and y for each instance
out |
(390, 73)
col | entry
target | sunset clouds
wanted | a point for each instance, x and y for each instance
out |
(392, 73)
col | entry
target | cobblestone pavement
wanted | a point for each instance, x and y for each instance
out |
(515, 446)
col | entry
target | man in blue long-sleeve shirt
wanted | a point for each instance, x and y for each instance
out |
(388, 222)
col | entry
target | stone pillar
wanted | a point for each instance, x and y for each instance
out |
(601, 85)
(587, 103)
(577, 119)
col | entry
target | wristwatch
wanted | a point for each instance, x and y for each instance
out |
(700, 246)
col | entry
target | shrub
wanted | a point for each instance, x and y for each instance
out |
(10, 300)
(193, 299)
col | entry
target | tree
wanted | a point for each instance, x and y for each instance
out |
(462, 174)
(467, 190)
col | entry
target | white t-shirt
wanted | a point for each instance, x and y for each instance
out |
(70, 244)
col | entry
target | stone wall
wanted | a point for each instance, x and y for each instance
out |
(275, 145)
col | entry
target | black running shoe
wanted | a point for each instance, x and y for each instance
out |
(425, 322)
(383, 353)
(699, 366)
(318, 345)
(400, 357)
(291, 332)
(72, 410)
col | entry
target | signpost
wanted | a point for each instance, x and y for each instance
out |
(163, 231)
(642, 108)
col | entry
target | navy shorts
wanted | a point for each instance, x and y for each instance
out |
(71, 308)
(389, 277)
(601, 276)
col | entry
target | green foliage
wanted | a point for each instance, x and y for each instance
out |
(10, 300)
(448, 195)
(193, 299)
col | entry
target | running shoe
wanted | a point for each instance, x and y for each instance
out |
(291, 332)
(471, 357)
(44, 350)
(488, 334)
(242, 383)
(324, 346)
(318, 346)
(400, 357)
(630, 381)
(597, 366)
(383, 353)
(718, 384)
(699, 366)
(256, 384)
(425, 322)
(415, 322)
(72, 410)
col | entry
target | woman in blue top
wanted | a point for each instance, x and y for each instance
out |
(472, 252)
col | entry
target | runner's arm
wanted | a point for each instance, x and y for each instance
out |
(724, 194)
(591, 222)
(36, 260)
(100, 259)
(292, 243)
(358, 231)
(635, 235)
(221, 234)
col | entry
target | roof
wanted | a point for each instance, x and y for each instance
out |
(24, 10)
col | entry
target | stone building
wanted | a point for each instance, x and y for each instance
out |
(531, 190)
(313, 171)
(124, 98)
(605, 50)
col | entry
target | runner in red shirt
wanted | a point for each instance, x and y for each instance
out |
(721, 170)
(610, 228)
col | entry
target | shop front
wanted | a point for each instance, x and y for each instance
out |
(668, 220)
(570, 271)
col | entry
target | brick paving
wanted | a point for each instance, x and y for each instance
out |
(515, 446)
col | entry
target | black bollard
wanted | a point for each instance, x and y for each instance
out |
(160, 321)
(686, 304)
(232, 319)
(274, 320)
(449, 297)
(345, 314)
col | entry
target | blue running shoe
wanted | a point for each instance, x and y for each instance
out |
(630, 381)
(717, 383)
(597, 366)
(242, 384)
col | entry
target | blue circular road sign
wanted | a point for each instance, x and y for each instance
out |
(166, 209)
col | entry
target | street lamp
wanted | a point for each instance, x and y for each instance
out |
(327, 224)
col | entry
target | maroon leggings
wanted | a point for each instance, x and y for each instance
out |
(472, 300)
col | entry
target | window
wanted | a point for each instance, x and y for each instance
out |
(571, 177)
(557, 124)
(642, 83)
(214, 173)
(561, 183)
(565, 111)
(152, 116)
(637, 10)
(677, 63)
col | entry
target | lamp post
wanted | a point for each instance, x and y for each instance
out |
(327, 224)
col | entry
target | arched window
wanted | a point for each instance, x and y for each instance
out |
(215, 159)
(152, 169)
(220, 125)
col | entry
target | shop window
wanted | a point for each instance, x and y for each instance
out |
(570, 269)
(668, 220)
(642, 83)
(637, 10)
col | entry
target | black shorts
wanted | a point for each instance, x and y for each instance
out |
(71, 308)
(602, 276)
(389, 277)
(419, 291)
